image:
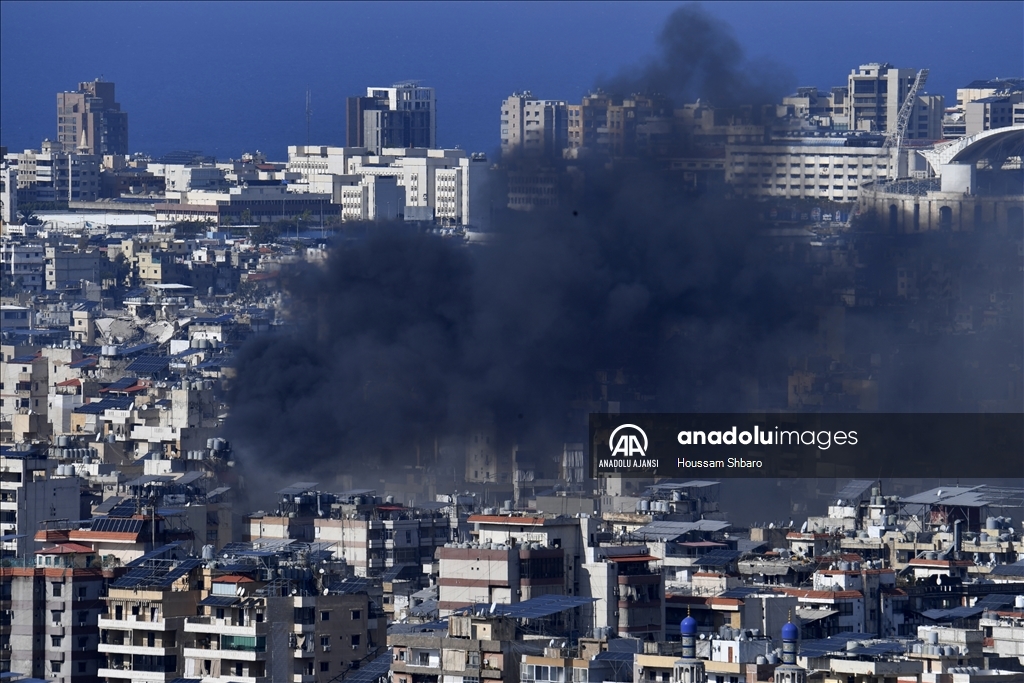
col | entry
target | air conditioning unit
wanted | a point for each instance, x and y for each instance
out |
(327, 648)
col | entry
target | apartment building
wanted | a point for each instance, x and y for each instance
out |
(89, 120)
(25, 264)
(55, 602)
(878, 90)
(815, 168)
(66, 267)
(31, 493)
(474, 647)
(533, 127)
(53, 174)
(403, 115)
(247, 630)
(142, 631)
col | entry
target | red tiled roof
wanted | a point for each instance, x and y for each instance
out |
(632, 558)
(508, 519)
(233, 578)
(66, 549)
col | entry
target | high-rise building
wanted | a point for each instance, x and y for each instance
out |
(532, 126)
(89, 121)
(403, 115)
(877, 91)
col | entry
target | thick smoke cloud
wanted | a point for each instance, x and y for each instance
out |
(404, 337)
(698, 57)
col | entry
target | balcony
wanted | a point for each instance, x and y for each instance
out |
(226, 627)
(131, 623)
(129, 649)
(112, 674)
(233, 655)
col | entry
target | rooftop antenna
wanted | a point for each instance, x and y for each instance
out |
(309, 112)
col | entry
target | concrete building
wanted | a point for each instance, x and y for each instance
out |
(248, 631)
(826, 169)
(55, 602)
(447, 186)
(89, 121)
(25, 264)
(24, 382)
(142, 632)
(986, 113)
(533, 127)
(403, 115)
(66, 267)
(30, 494)
(878, 90)
(8, 195)
(255, 204)
(980, 89)
(630, 592)
(472, 648)
(51, 174)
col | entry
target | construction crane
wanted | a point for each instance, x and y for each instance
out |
(895, 134)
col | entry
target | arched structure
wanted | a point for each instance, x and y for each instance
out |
(994, 144)
(977, 186)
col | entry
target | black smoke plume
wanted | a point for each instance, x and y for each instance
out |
(406, 337)
(698, 57)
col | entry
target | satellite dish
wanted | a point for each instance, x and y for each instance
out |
(326, 591)
(494, 606)
(322, 570)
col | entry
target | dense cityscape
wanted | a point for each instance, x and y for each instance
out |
(325, 417)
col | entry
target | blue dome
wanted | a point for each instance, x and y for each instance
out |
(790, 632)
(688, 627)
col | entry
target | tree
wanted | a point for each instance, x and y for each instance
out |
(264, 234)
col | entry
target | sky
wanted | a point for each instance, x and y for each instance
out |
(227, 78)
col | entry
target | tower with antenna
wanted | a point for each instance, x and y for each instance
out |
(309, 112)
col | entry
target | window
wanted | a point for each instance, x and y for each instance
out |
(56, 589)
(81, 667)
(55, 641)
(325, 615)
(325, 643)
(82, 593)
(355, 641)
(325, 666)
(55, 666)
